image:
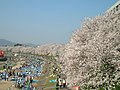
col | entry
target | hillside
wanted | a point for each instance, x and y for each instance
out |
(4, 42)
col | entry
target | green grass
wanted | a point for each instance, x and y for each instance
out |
(48, 83)
(47, 78)
(1, 68)
(14, 65)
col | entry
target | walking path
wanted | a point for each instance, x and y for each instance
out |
(47, 75)
(43, 81)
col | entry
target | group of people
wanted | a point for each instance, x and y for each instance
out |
(23, 76)
(4, 75)
(24, 82)
(60, 83)
(27, 74)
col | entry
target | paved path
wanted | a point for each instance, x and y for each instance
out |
(43, 82)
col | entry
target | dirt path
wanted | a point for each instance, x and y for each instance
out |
(18, 64)
(4, 85)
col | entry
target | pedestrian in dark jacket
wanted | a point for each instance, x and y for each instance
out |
(57, 84)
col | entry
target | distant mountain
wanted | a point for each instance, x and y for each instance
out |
(4, 42)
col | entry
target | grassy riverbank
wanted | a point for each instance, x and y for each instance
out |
(47, 74)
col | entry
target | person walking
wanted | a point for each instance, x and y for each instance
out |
(31, 79)
(7, 77)
(60, 83)
(57, 84)
(64, 83)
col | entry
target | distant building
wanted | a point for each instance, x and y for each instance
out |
(115, 9)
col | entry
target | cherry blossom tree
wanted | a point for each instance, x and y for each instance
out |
(92, 56)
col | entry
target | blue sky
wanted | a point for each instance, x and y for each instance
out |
(46, 21)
